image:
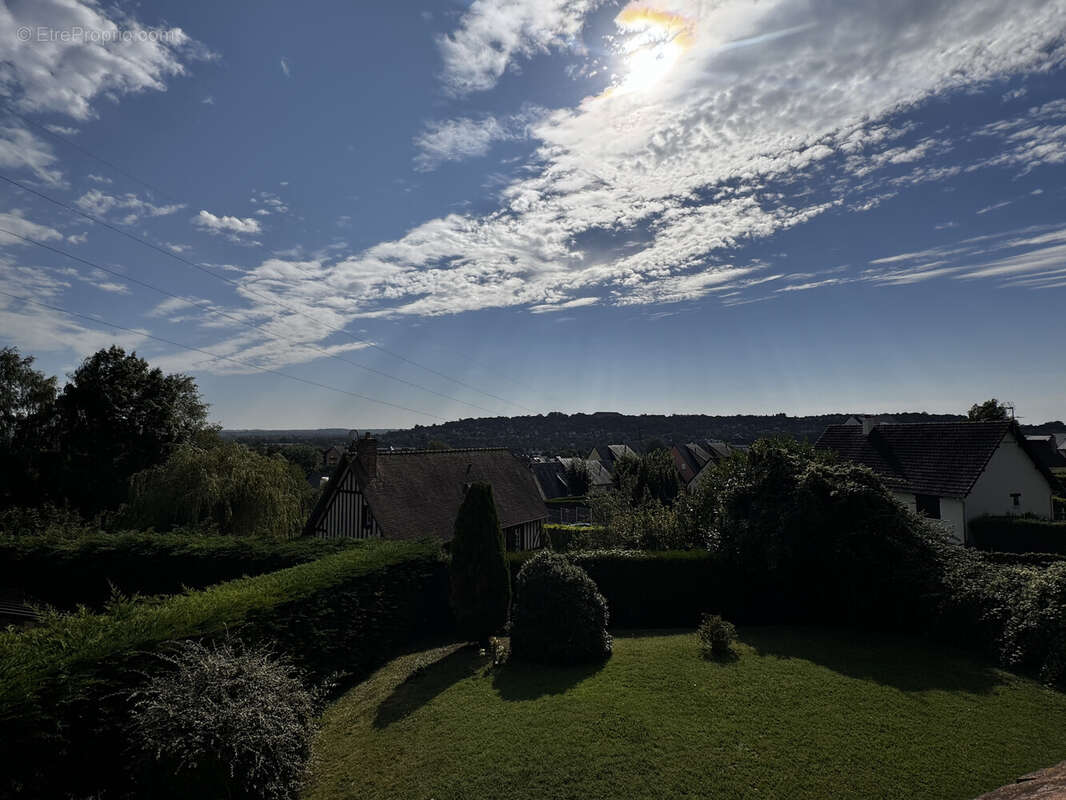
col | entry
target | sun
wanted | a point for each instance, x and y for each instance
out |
(656, 41)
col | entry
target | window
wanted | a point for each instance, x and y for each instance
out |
(1016, 499)
(927, 505)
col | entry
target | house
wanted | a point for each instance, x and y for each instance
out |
(331, 456)
(552, 481)
(1046, 447)
(607, 454)
(412, 494)
(692, 458)
(951, 471)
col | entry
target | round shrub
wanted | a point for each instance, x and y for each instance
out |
(224, 721)
(716, 636)
(559, 616)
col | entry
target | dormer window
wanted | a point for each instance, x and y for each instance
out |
(1016, 499)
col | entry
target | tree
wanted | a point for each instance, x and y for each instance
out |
(239, 491)
(480, 579)
(27, 415)
(652, 475)
(117, 416)
(437, 444)
(988, 411)
(577, 477)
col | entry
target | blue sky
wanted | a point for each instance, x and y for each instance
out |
(470, 209)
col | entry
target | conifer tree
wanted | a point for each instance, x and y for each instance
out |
(480, 579)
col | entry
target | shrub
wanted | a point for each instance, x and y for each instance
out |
(224, 717)
(716, 636)
(61, 683)
(1018, 535)
(559, 616)
(66, 571)
(229, 486)
(480, 581)
(652, 589)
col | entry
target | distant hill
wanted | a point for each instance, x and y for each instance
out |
(560, 434)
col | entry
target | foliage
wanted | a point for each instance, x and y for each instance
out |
(46, 520)
(650, 589)
(1018, 535)
(645, 525)
(236, 489)
(480, 581)
(62, 682)
(804, 538)
(64, 571)
(225, 716)
(577, 477)
(989, 410)
(805, 713)
(559, 615)
(307, 457)
(117, 416)
(652, 476)
(716, 636)
(27, 402)
(567, 538)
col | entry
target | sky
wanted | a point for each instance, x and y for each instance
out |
(360, 215)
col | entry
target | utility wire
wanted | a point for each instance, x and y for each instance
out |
(206, 304)
(245, 364)
(236, 284)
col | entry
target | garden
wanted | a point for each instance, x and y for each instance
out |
(789, 629)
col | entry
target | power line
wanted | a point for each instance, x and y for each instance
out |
(236, 284)
(208, 305)
(101, 321)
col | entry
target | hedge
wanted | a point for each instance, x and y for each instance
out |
(65, 572)
(651, 589)
(563, 538)
(1018, 535)
(64, 685)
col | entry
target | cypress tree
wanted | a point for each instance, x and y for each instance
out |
(480, 579)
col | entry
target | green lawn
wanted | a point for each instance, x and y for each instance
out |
(801, 713)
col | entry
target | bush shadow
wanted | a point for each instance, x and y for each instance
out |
(905, 663)
(518, 680)
(426, 682)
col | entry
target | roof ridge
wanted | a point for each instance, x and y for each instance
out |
(444, 452)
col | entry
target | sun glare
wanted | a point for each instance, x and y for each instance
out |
(655, 42)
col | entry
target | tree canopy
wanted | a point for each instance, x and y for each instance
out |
(987, 411)
(480, 579)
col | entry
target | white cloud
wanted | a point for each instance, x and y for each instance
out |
(286, 67)
(493, 33)
(62, 130)
(457, 139)
(17, 223)
(225, 224)
(100, 204)
(20, 149)
(65, 76)
(98, 178)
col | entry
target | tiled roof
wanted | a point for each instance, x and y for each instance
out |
(417, 493)
(937, 458)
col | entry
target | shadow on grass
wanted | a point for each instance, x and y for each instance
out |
(522, 680)
(422, 685)
(908, 664)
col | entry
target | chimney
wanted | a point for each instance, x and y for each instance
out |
(868, 424)
(366, 451)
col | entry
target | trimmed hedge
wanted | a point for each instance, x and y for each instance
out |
(64, 685)
(565, 538)
(1018, 535)
(651, 589)
(65, 572)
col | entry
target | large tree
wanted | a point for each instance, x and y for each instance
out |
(118, 416)
(480, 579)
(27, 406)
(987, 411)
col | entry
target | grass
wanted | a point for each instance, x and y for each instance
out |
(801, 713)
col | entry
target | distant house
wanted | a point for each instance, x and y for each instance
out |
(951, 471)
(1046, 447)
(608, 454)
(416, 493)
(331, 456)
(552, 481)
(692, 458)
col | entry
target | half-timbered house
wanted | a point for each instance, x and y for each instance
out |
(413, 494)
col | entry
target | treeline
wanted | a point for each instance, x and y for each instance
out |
(577, 434)
(125, 445)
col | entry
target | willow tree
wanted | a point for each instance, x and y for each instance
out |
(236, 489)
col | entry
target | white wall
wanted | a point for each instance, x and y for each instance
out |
(1009, 470)
(952, 513)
